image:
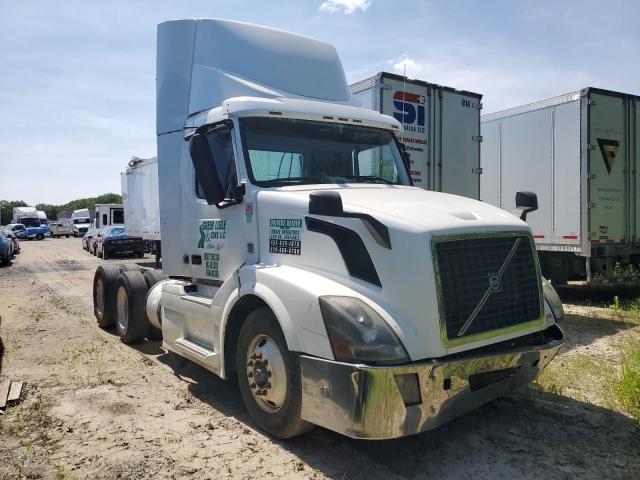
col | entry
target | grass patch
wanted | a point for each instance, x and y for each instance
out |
(90, 364)
(580, 376)
(60, 304)
(627, 388)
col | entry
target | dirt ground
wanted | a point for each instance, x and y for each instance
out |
(96, 408)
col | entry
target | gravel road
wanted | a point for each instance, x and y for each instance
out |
(96, 408)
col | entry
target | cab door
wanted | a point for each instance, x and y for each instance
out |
(212, 236)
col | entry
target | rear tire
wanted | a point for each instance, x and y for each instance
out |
(105, 253)
(152, 277)
(274, 411)
(131, 319)
(39, 236)
(129, 267)
(104, 284)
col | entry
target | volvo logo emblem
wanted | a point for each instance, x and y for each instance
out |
(495, 282)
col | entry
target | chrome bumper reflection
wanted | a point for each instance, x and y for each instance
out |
(364, 402)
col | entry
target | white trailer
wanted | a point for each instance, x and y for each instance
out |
(579, 152)
(304, 264)
(141, 200)
(441, 129)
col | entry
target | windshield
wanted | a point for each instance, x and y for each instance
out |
(293, 152)
(30, 222)
(114, 232)
(77, 221)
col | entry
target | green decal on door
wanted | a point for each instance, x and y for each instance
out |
(211, 232)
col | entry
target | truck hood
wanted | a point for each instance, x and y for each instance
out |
(432, 211)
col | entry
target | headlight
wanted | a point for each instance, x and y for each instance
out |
(358, 334)
(551, 296)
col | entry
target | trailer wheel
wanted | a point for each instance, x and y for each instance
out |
(131, 319)
(104, 283)
(269, 376)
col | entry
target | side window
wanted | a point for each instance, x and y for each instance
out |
(105, 219)
(118, 216)
(221, 146)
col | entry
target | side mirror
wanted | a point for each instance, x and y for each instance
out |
(205, 169)
(526, 202)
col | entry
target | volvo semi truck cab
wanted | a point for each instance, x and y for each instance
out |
(298, 257)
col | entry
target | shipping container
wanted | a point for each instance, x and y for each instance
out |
(579, 153)
(441, 129)
(141, 198)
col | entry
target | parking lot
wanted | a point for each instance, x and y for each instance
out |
(94, 406)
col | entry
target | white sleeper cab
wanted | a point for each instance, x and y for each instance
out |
(298, 257)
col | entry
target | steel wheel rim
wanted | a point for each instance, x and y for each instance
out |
(266, 373)
(122, 303)
(100, 296)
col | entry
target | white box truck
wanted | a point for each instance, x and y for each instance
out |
(302, 262)
(441, 129)
(109, 215)
(580, 153)
(141, 200)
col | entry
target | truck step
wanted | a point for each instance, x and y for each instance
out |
(195, 348)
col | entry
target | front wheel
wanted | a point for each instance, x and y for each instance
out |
(269, 376)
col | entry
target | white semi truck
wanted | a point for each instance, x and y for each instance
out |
(579, 151)
(81, 221)
(28, 216)
(141, 200)
(302, 261)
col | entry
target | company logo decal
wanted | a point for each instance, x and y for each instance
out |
(410, 108)
(495, 282)
(609, 150)
(211, 231)
(284, 236)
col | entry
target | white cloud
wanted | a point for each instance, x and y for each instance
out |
(406, 64)
(346, 6)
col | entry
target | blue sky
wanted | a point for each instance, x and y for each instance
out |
(77, 78)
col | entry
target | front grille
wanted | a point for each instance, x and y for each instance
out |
(487, 283)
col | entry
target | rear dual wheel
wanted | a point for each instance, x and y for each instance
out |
(131, 318)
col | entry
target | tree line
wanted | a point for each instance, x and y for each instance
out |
(6, 206)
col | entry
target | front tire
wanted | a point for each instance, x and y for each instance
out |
(269, 376)
(131, 319)
(105, 253)
(39, 236)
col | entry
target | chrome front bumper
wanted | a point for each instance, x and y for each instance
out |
(362, 401)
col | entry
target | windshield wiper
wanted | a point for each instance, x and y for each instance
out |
(369, 179)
